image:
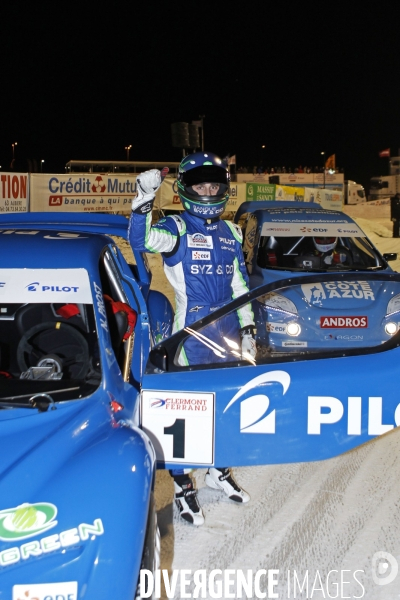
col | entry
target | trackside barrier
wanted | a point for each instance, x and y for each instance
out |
(95, 192)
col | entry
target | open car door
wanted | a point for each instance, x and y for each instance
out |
(295, 401)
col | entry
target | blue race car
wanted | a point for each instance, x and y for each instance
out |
(93, 397)
(289, 239)
(77, 514)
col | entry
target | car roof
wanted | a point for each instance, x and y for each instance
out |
(281, 211)
(51, 246)
(40, 249)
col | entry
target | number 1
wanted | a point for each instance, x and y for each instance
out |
(177, 430)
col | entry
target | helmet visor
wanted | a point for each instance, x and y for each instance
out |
(325, 241)
(206, 173)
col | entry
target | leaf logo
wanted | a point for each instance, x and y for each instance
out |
(26, 520)
(253, 417)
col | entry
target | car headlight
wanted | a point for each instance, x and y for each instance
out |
(293, 329)
(391, 328)
(393, 305)
(279, 302)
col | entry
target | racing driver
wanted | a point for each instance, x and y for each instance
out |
(203, 187)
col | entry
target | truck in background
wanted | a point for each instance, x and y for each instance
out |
(354, 193)
(386, 186)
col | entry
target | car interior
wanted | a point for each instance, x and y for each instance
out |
(48, 347)
(299, 253)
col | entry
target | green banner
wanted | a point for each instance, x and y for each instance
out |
(260, 191)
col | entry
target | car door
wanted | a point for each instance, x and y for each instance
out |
(290, 404)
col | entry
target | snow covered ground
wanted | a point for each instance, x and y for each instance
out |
(322, 522)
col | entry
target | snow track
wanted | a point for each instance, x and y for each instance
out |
(307, 517)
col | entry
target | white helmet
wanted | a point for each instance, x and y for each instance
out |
(325, 244)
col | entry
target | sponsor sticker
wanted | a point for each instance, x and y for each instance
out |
(180, 402)
(316, 293)
(180, 425)
(201, 255)
(276, 327)
(40, 591)
(45, 285)
(292, 344)
(343, 322)
(198, 240)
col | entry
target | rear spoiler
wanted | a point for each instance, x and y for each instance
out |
(83, 222)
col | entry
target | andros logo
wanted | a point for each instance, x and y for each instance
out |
(99, 187)
(198, 237)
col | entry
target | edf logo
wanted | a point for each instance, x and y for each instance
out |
(67, 590)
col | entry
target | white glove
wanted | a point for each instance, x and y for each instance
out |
(249, 348)
(147, 184)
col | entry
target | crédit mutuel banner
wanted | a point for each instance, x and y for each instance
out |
(82, 192)
(94, 192)
(14, 192)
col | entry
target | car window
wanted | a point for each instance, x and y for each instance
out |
(301, 253)
(48, 348)
(319, 315)
(48, 337)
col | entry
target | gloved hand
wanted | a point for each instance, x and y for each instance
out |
(147, 184)
(248, 342)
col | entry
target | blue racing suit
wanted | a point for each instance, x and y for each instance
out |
(203, 261)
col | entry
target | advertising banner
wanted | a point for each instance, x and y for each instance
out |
(289, 192)
(322, 180)
(259, 191)
(167, 198)
(82, 192)
(14, 192)
(329, 199)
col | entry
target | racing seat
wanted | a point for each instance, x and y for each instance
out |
(122, 320)
(270, 254)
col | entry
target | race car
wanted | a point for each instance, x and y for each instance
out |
(77, 513)
(283, 239)
(93, 398)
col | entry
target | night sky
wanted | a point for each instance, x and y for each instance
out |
(299, 79)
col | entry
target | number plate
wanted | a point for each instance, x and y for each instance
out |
(180, 425)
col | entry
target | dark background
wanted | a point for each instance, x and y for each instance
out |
(84, 81)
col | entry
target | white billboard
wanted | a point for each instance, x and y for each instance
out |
(82, 192)
(14, 192)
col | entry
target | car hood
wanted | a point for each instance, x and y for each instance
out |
(60, 475)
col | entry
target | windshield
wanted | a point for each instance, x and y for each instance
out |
(312, 254)
(48, 339)
(307, 317)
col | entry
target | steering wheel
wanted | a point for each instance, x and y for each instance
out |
(347, 263)
(60, 340)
